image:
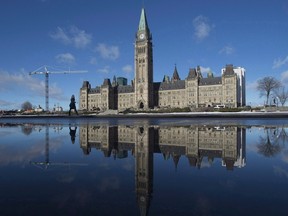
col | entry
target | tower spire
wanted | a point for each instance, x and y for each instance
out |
(143, 65)
(143, 24)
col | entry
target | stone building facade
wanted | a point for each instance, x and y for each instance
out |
(196, 144)
(193, 91)
(192, 142)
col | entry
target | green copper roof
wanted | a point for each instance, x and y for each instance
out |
(143, 25)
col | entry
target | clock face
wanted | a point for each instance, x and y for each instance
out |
(142, 36)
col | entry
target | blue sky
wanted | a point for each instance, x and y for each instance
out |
(98, 36)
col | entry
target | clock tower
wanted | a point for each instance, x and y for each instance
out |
(143, 65)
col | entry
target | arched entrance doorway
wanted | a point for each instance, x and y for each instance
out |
(141, 105)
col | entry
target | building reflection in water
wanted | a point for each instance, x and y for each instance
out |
(194, 143)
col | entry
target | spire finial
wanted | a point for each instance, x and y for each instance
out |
(143, 3)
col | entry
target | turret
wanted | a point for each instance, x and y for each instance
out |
(175, 76)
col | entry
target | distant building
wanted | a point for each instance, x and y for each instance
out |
(39, 109)
(241, 86)
(121, 81)
(57, 108)
(193, 91)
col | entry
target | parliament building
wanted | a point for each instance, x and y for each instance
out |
(227, 90)
(195, 144)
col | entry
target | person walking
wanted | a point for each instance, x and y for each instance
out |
(72, 105)
(72, 133)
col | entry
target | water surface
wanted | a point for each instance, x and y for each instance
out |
(143, 167)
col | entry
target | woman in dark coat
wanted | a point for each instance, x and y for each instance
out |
(72, 105)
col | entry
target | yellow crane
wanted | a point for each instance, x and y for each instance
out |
(44, 70)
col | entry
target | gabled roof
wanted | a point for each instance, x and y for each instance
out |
(192, 73)
(229, 70)
(172, 149)
(192, 161)
(179, 84)
(229, 163)
(85, 84)
(106, 82)
(94, 90)
(210, 81)
(125, 89)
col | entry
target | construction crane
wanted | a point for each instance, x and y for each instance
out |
(45, 164)
(44, 70)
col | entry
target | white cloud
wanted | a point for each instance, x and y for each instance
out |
(109, 183)
(17, 153)
(20, 82)
(279, 62)
(127, 69)
(56, 92)
(108, 52)
(284, 77)
(74, 36)
(106, 69)
(228, 50)
(66, 58)
(280, 171)
(205, 70)
(61, 35)
(93, 61)
(202, 27)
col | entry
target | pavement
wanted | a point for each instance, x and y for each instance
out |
(276, 114)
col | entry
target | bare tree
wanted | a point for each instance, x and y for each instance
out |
(267, 85)
(268, 146)
(282, 136)
(26, 106)
(26, 129)
(282, 95)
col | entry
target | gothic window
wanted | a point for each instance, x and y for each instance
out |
(141, 50)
